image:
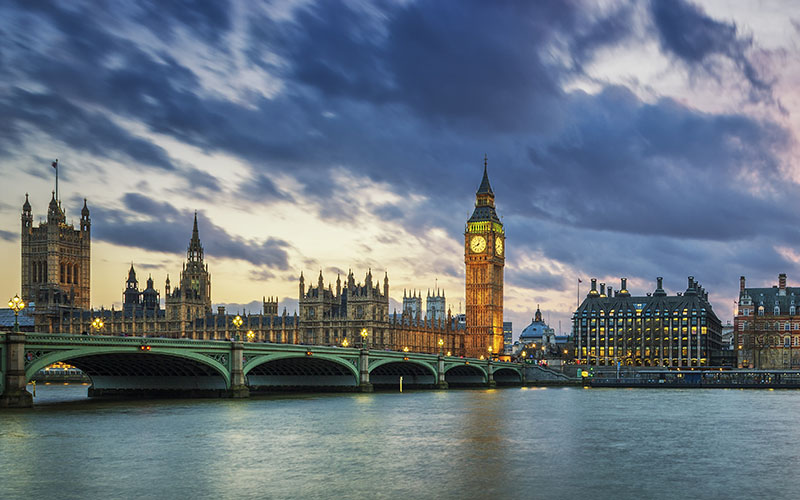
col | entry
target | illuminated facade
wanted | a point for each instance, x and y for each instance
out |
(337, 316)
(766, 326)
(484, 256)
(654, 330)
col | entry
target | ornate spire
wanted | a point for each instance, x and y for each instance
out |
(485, 187)
(85, 209)
(538, 316)
(195, 251)
(26, 207)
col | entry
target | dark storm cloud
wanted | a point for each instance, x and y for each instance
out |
(155, 225)
(688, 33)
(8, 235)
(208, 20)
(659, 169)
(538, 279)
(412, 95)
(83, 130)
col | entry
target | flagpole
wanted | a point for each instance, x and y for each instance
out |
(578, 297)
(55, 166)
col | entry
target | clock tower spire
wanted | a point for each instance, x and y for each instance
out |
(484, 256)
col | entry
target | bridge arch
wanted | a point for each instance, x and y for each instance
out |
(507, 376)
(387, 372)
(299, 370)
(464, 374)
(128, 369)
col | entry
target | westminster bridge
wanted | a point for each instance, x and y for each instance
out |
(149, 366)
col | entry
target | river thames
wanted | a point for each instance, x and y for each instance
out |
(505, 443)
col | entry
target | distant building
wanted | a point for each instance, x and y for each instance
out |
(538, 332)
(767, 326)
(651, 330)
(508, 336)
(134, 301)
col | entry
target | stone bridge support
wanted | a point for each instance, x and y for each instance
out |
(364, 384)
(441, 383)
(239, 387)
(490, 375)
(15, 393)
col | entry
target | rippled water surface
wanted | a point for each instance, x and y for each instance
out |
(507, 443)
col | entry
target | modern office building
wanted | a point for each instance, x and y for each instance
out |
(651, 330)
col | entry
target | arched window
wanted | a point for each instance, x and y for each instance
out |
(777, 310)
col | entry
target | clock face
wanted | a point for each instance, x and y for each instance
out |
(477, 244)
(498, 246)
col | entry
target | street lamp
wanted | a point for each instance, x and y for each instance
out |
(364, 334)
(489, 349)
(441, 346)
(405, 349)
(16, 304)
(251, 335)
(237, 322)
(97, 324)
(345, 343)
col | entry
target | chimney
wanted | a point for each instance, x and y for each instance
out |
(623, 288)
(659, 292)
(741, 284)
(782, 281)
(609, 292)
(593, 291)
(602, 289)
(691, 282)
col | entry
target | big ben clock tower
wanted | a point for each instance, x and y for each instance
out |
(484, 255)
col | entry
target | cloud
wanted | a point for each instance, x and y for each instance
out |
(151, 225)
(8, 236)
(688, 33)
(82, 130)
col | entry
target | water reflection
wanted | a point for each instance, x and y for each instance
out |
(507, 443)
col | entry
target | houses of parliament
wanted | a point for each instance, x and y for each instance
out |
(56, 264)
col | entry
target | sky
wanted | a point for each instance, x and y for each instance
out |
(624, 139)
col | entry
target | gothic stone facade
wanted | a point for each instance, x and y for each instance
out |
(329, 317)
(653, 330)
(767, 326)
(56, 261)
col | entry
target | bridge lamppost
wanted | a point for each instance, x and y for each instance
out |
(97, 324)
(489, 350)
(345, 343)
(251, 335)
(364, 335)
(237, 322)
(441, 346)
(16, 304)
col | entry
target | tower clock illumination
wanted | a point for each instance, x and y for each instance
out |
(484, 247)
(477, 244)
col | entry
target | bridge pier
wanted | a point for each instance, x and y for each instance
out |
(239, 387)
(490, 383)
(15, 393)
(364, 384)
(441, 383)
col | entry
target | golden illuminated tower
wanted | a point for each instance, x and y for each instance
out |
(484, 255)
